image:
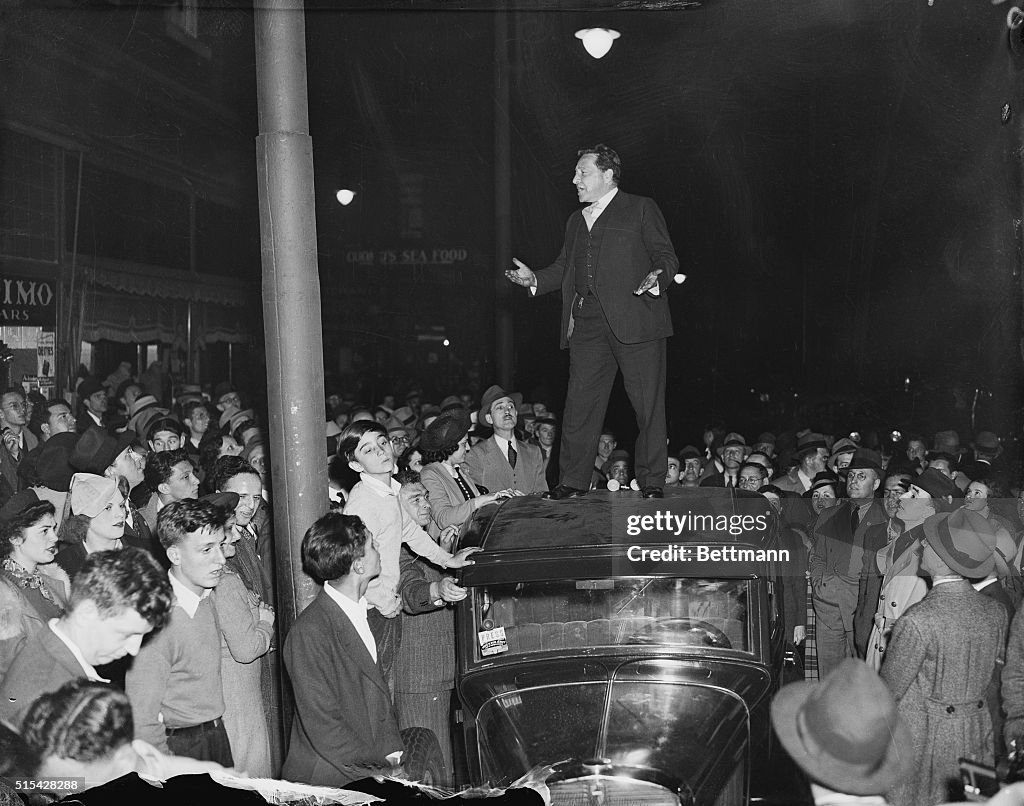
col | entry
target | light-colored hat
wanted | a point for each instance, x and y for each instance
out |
(845, 731)
(89, 493)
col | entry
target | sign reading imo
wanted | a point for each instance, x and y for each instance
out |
(27, 302)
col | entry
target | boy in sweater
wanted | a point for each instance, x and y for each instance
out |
(368, 451)
(175, 683)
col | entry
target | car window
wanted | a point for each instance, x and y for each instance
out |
(523, 618)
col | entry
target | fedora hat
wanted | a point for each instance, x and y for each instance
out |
(845, 731)
(988, 442)
(226, 501)
(947, 442)
(841, 446)
(689, 452)
(734, 438)
(451, 402)
(810, 441)
(88, 387)
(96, 450)
(964, 540)
(445, 432)
(492, 394)
(826, 478)
(935, 484)
(53, 466)
(866, 459)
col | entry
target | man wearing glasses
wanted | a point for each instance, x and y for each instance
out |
(229, 403)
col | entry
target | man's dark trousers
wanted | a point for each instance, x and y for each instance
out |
(595, 355)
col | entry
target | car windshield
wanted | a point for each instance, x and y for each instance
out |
(658, 724)
(527, 617)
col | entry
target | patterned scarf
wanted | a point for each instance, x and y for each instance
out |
(29, 580)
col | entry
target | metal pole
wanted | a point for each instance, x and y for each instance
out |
(291, 295)
(503, 349)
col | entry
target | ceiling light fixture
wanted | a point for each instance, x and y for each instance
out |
(345, 196)
(597, 41)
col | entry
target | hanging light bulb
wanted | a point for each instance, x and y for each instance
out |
(597, 41)
(345, 196)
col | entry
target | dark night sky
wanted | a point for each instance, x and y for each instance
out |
(836, 176)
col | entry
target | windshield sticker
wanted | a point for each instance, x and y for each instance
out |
(493, 642)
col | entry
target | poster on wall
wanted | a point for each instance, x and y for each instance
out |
(44, 354)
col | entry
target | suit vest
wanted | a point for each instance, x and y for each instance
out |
(587, 248)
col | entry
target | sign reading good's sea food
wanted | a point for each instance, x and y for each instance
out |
(25, 301)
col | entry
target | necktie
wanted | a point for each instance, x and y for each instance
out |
(854, 520)
(466, 492)
(512, 456)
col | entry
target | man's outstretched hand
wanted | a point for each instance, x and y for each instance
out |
(522, 274)
(461, 558)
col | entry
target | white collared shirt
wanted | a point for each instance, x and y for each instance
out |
(356, 613)
(592, 212)
(94, 418)
(87, 667)
(504, 443)
(185, 598)
(980, 586)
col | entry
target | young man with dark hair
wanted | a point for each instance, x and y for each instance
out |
(117, 597)
(171, 477)
(165, 434)
(196, 417)
(233, 474)
(345, 724)
(175, 683)
(84, 731)
(366, 447)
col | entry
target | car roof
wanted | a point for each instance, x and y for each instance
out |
(533, 538)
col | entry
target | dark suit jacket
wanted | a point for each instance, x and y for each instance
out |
(634, 243)
(426, 655)
(486, 465)
(343, 710)
(838, 557)
(43, 665)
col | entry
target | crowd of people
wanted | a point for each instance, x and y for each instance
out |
(137, 578)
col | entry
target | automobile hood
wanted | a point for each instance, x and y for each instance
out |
(672, 721)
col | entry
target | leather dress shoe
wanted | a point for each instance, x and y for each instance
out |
(563, 491)
(652, 492)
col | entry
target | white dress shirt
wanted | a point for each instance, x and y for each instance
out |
(356, 613)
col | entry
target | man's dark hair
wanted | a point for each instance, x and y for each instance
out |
(353, 433)
(189, 407)
(179, 519)
(166, 424)
(407, 476)
(241, 428)
(331, 545)
(605, 158)
(13, 527)
(41, 415)
(16, 758)
(124, 579)
(82, 720)
(14, 390)
(160, 465)
(226, 468)
(607, 432)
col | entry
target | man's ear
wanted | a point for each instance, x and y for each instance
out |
(877, 483)
(358, 468)
(174, 555)
(487, 419)
(163, 488)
